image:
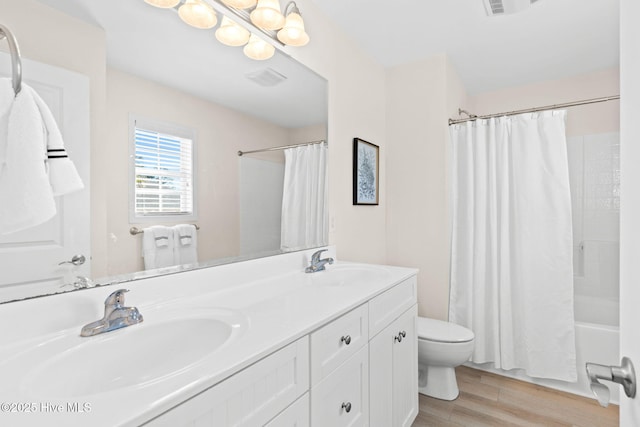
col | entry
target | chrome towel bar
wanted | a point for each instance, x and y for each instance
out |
(135, 230)
(16, 62)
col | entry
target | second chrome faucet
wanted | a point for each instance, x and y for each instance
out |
(318, 264)
(116, 316)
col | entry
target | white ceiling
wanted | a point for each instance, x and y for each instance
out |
(552, 39)
(155, 44)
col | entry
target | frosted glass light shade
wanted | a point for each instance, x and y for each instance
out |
(258, 49)
(164, 4)
(240, 4)
(198, 14)
(293, 34)
(231, 33)
(267, 15)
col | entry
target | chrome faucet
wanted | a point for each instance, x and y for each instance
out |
(116, 316)
(318, 264)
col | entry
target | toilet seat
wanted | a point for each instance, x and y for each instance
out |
(440, 331)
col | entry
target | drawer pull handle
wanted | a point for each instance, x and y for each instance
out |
(401, 335)
(347, 340)
(346, 407)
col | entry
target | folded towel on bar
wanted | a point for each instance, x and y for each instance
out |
(158, 247)
(27, 130)
(161, 235)
(186, 248)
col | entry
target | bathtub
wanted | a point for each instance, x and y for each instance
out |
(597, 340)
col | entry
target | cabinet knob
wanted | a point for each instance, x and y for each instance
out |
(347, 340)
(401, 335)
(346, 406)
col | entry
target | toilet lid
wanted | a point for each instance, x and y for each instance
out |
(437, 330)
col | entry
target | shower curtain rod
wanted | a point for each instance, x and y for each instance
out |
(283, 147)
(533, 110)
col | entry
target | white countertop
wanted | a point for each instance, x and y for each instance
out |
(277, 310)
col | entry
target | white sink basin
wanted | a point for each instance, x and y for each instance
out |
(347, 274)
(133, 356)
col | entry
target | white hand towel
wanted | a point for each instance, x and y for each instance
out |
(186, 248)
(63, 176)
(158, 247)
(26, 198)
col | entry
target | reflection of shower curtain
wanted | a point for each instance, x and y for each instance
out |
(304, 200)
(511, 254)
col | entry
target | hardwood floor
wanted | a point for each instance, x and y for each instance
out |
(492, 400)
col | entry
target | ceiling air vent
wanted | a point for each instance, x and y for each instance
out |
(506, 7)
(266, 77)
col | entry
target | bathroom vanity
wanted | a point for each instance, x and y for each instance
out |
(251, 343)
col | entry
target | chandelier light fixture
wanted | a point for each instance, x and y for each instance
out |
(293, 34)
(198, 14)
(163, 4)
(265, 15)
(240, 4)
(258, 49)
(232, 34)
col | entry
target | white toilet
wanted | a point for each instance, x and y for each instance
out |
(441, 347)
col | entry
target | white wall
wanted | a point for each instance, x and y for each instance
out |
(582, 120)
(220, 133)
(420, 97)
(356, 109)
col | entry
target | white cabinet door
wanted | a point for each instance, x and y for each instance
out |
(342, 399)
(29, 259)
(405, 369)
(394, 373)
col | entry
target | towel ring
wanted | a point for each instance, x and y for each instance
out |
(16, 62)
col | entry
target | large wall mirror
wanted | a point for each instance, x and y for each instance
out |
(176, 79)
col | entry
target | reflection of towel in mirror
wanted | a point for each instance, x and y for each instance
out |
(26, 199)
(27, 130)
(63, 176)
(158, 247)
(186, 248)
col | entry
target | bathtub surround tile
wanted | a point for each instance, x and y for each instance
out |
(490, 400)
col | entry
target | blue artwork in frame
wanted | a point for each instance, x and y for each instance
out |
(365, 172)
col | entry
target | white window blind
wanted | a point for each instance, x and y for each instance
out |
(163, 174)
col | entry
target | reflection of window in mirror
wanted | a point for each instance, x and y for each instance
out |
(161, 186)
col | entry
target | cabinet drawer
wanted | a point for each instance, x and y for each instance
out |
(296, 415)
(334, 343)
(386, 307)
(342, 399)
(251, 397)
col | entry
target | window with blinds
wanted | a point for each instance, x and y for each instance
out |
(163, 177)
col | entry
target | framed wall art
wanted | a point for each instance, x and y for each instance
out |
(365, 172)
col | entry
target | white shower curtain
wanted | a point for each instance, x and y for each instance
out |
(511, 252)
(304, 199)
